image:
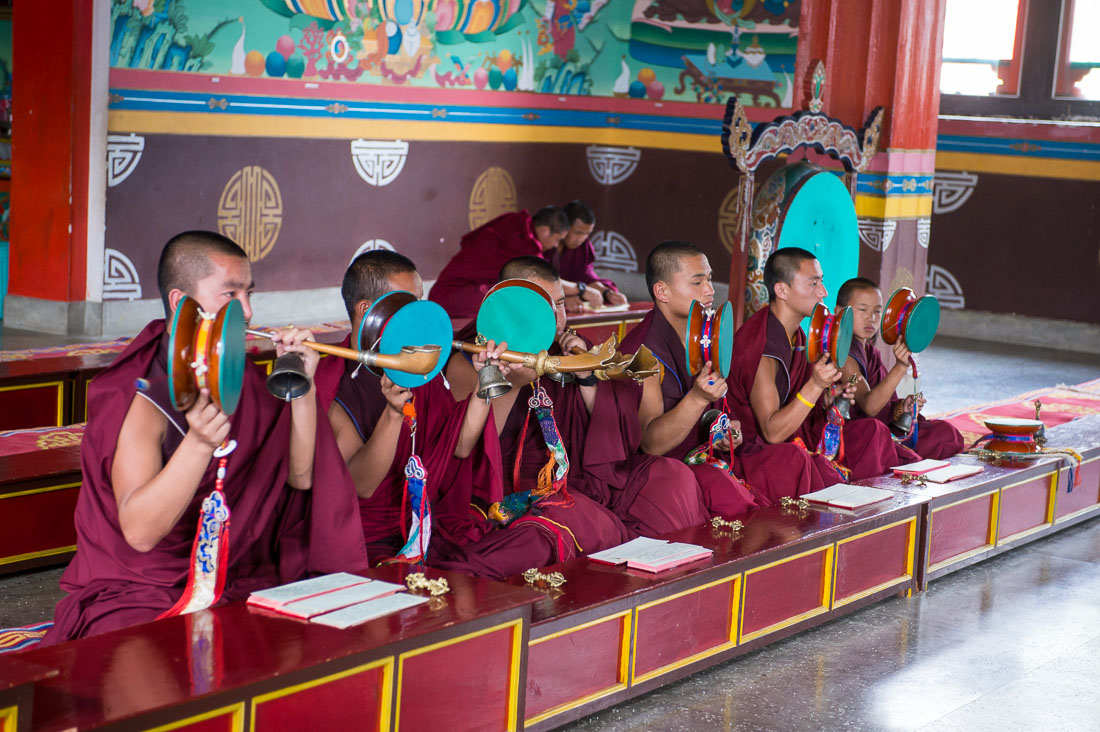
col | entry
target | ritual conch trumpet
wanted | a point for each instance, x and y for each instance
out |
(288, 379)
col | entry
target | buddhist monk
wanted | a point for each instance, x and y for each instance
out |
(781, 397)
(148, 470)
(672, 409)
(875, 387)
(369, 420)
(575, 258)
(605, 500)
(465, 279)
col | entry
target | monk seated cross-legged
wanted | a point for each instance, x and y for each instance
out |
(150, 472)
(671, 409)
(875, 392)
(781, 396)
(470, 273)
(607, 495)
(369, 419)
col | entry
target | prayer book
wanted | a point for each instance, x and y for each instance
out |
(331, 601)
(843, 495)
(364, 611)
(275, 597)
(607, 308)
(952, 472)
(920, 468)
(651, 555)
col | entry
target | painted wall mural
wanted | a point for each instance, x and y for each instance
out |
(699, 51)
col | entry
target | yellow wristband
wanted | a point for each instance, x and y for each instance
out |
(804, 400)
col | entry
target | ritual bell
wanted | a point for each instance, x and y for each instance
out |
(844, 406)
(491, 383)
(288, 379)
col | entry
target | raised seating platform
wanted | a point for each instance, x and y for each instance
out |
(553, 655)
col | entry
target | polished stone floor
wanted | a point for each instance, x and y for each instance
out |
(1009, 644)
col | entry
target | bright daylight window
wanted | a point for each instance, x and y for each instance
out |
(1079, 51)
(982, 44)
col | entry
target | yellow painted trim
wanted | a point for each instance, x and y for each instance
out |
(893, 207)
(385, 697)
(516, 626)
(1048, 514)
(33, 491)
(244, 125)
(991, 536)
(1016, 165)
(60, 395)
(735, 604)
(1079, 511)
(9, 716)
(826, 593)
(237, 710)
(36, 555)
(909, 562)
(624, 663)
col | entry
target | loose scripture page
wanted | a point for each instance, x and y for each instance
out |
(827, 495)
(620, 554)
(861, 496)
(365, 611)
(952, 472)
(275, 597)
(330, 601)
(921, 467)
(667, 556)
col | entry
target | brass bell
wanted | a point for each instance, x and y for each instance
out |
(491, 383)
(844, 406)
(288, 378)
(904, 422)
(562, 377)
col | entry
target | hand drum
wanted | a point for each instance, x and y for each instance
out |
(709, 338)
(398, 319)
(206, 352)
(519, 313)
(829, 334)
(914, 319)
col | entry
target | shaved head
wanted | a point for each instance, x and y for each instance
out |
(664, 261)
(185, 260)
(368, 277)
(781, 267)
(851, 287)
(551, 217)
(526, 268)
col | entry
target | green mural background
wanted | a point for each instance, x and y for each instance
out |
(699, 51)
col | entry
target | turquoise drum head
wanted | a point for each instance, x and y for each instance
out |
(842, 337)
(820, 217)
(723, 320)
(230, 352)
(921, 323)
(519, 316)
(419, 323)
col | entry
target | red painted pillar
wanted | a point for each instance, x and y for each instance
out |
(52, 107)
(884, 54)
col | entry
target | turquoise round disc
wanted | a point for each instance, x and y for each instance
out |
(724, 319)
(420, 323)
(231, 356)
(843, 323)
(520, 317)
(821, 218)
(377, 305)
(921, 323)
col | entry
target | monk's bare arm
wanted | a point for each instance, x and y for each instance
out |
(662, 431)
(368, 462)
(461, 376)
(778, 423)
(477, 413)
(151, 497)
(303, 441)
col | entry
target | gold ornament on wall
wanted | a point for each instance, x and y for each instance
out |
(250, 211)
(729, 214)
(493, 194)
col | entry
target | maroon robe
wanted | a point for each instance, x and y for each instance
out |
(723, 494)
(869, 449)
(578, 265)
(465, 279)
(451, 483)
(277, 534)
(936, 439)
